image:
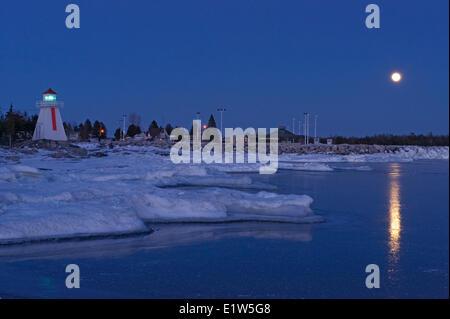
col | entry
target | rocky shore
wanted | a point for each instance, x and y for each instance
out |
(76, 150)
(340, 149)
(71, 150)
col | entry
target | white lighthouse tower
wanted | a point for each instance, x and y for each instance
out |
(49, 125)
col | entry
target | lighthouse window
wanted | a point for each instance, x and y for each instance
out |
(49, 97)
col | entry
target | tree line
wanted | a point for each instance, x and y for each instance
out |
(389, 139)
(19, 126)
(154, 130)
(16, 125)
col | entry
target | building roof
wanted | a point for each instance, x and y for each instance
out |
(49, 91)
(283, 132)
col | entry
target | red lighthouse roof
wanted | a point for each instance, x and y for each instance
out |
(49, 91)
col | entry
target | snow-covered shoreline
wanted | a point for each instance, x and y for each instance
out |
(47, 198)
(107, 191)
(82, 149)
(413, 151)
(396, 154)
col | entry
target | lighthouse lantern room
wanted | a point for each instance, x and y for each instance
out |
(49, 125)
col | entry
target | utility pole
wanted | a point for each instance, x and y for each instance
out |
(221, 110)
(308, 129)
(315, 127)
(299, 129)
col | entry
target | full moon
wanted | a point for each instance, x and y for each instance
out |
(396, 77)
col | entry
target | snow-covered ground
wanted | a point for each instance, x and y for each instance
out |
(45, 198)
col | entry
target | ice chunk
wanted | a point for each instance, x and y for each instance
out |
(242, 182)
(354, 168)
(178, 170)
(153, 207)
(115, 177)
(22, 223)
(6, 175)
(223, 205)
(10, 198)
(26, 170)
(318, 167)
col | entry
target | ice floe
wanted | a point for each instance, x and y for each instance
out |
(26, 170)
(214, 205)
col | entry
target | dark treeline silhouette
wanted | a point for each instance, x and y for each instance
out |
(86, 130)
(388, 139)
(133, 130)
(16, 126)
(154, 130)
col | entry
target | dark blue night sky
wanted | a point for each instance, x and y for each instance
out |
(265, 61)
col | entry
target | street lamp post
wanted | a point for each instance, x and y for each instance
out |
(315, 128)
(293, 129)
(221, 110)
(305, 127)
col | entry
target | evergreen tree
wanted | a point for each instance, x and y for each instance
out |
(169, 129)
(10, 123)
(87, 129)
(211, 121)
(153, 129)
(102, 130)
(133, 130)
(118, 134)
(67, 128)
(83, 132)
(96, 129)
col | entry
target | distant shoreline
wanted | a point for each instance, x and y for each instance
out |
(347, 149)
(99, 149)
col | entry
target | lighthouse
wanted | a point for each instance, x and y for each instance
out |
(49, 125)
